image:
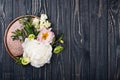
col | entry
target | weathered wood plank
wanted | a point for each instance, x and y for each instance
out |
(7, 68)
(113, 40)
(98, 40)
(1, 37)
(80, 39)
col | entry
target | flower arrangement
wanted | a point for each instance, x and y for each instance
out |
(39, 42)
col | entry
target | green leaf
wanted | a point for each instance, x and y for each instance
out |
(36, 33)
(23, 36)
(28, 30)
(61, 37)
(58, 40)
(58, 49)
(14, 37)
(18, 61)
(17, 34)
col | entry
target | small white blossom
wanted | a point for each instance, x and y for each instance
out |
(47, 24)
(43, 17)
(36, 23)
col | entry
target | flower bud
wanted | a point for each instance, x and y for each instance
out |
(58, 49)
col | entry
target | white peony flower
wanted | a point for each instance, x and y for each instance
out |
(38, 54)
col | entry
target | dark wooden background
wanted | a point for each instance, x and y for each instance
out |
(92, 39)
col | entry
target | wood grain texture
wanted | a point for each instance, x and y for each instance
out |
(92, 39)
(114, 40)
(98, 40)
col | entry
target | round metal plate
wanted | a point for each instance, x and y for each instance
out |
(14, 48)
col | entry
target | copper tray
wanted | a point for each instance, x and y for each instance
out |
(14, 48)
